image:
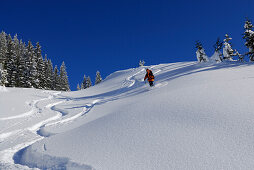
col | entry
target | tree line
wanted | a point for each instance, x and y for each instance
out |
(228, 52)
(86, 82)
(23, 66)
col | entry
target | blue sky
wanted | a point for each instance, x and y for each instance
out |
(111, 35)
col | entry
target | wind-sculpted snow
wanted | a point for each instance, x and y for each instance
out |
(197, 116)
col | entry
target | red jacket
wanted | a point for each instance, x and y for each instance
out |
(149, 75)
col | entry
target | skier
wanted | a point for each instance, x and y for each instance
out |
(149, 76)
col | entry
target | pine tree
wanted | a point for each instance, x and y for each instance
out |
(228, 52)
(17, 60)
(11, 63)
(98, 78)
(64, 83)
(249, 38)
(49, 78)
(217, 56)
(83, 84)
(22, 70)
(78, 87)
(201, 55)
(88, 82)
(40, 66)
(3, 49)
(3, 77)
(33, 75)
(46, 75)
(56, 79)
(27, 82)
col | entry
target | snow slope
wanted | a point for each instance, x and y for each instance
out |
(198, 116)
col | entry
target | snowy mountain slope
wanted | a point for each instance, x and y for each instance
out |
(198, 116)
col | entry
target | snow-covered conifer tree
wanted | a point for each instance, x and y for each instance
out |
(11, 63)
(22, 70)
(98, 78)
(45, 71)
(228, 52)
(3, 77)
(217, 56)
(64, 83)
(88, 82)
(3, 49)
(78, 87)
(56, 79)
(141, 63)
(27, 81)
(201, 55)
(33, 75)
(49, 73)
(40, 66)
(249, 38)
(17, 60)
(83, 84)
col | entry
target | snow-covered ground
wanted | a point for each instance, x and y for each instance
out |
(198, 116)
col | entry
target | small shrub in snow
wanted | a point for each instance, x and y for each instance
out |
(141, 63)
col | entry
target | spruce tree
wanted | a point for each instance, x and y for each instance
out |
(46, 75)
(33, 75)
(98, 78)
(228, 52)
(3, 49)
(64, 83)
(11, 63)
(22, 70)
(40, 66)
(217, 56)
(17, 60)
(249, 38)
(88, 82)
(78, 87)
(3, 77)
(56, 79)
(49, 78)
(201, 55)
(83, 84)
(27, 60)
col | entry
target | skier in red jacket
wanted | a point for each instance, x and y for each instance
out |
(149, 75)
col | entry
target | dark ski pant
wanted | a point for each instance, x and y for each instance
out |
(151, 83)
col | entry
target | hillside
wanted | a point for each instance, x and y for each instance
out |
(197, 116)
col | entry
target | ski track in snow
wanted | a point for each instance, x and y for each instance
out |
(29, 113)
(85, 110)
(131, 78)
(6, 156)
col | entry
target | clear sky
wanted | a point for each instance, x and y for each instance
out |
(111, 35)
